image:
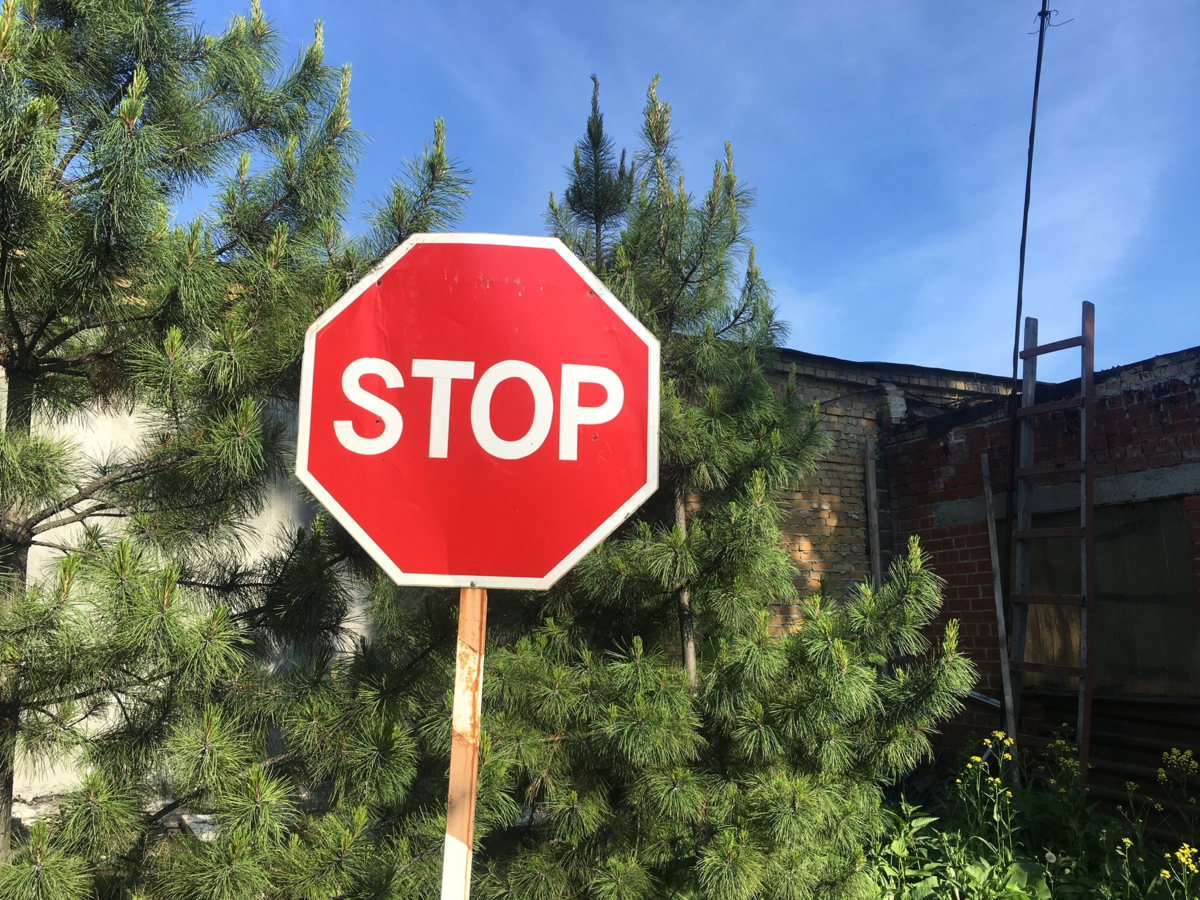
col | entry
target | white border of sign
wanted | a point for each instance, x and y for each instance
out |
(628, 508)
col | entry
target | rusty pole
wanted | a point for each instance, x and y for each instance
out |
(464, 747)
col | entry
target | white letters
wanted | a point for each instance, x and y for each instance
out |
(393, 424)
(481, 410)
(571, 415)
(442, 371)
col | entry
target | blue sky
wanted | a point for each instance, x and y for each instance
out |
(886, 140)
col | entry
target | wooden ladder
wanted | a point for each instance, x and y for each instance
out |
(1024, 534)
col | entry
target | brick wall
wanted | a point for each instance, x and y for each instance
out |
(928, 469)
(1147, 419)
(826, 529)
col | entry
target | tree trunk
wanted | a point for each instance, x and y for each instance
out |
(9, 729)
(14, 570)
(599, 254)
(687, 633)
(18, 405)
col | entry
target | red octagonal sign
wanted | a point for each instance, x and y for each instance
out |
(479, 411)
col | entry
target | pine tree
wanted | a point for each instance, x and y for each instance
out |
(300, 699)
(726, 762)
(142, 659)
(599, 192)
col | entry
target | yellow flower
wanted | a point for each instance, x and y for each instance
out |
(1127, 842)
(1165, 874)
(976, 759)
(1008, 756)
(958, 781)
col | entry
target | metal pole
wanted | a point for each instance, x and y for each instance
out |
(464, 747)
(1043, 21)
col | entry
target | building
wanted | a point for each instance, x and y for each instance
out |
(828, 528)
(925, 430)
(922, 430)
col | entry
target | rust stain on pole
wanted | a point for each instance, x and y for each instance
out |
(464, 747)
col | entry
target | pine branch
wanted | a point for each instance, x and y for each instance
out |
(90, 323)
(226, 588)
(69, 365)
(259, 222)
(180, 801)
(116, 478)
(217, 138)
(86, 133)
(43, 703)
(100, 510)
(62, 548)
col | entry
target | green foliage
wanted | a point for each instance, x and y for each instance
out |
(758, 773)
(1041, 841)
(40, 871)
(645, 733)
(145, 654)
(599, 192)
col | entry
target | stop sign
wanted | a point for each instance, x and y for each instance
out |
(479, 411)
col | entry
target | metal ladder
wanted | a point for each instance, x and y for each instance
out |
(1082, 468)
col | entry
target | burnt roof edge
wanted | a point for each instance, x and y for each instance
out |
(1054, 390)
(787, 354)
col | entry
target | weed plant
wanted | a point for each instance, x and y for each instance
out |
(1014, 828)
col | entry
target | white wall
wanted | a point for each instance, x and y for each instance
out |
(101, 435)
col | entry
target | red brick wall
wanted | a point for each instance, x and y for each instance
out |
(929, 470)
(1146, 418)
(1147, 429)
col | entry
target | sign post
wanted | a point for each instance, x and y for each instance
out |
(464, 747)
(478, 412)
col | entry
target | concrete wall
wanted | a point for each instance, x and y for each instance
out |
(106, 436)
